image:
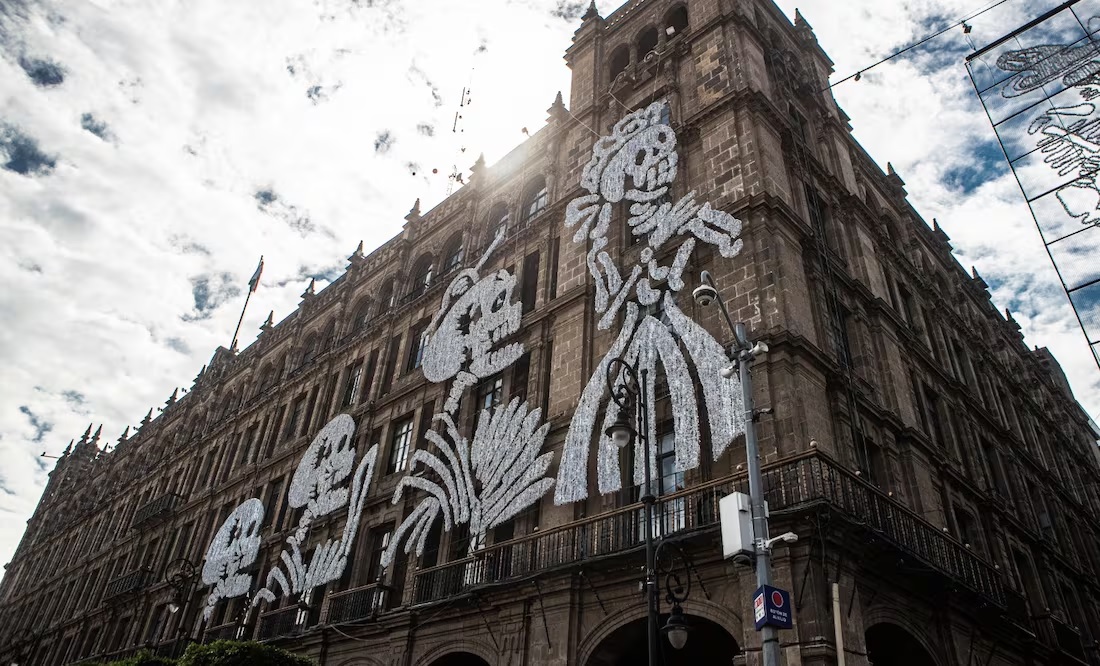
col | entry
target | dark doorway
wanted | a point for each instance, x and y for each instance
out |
(460, 659)
(708, 644)
(890, 645)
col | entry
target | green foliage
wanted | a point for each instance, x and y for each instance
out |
(240, 653)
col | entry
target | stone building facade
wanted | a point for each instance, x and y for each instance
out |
(936, 469)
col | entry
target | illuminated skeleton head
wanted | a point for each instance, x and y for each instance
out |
(641, 150)
(326, 464)
(233, 549)
(476, 315)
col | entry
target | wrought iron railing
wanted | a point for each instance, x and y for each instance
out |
(811, 479)
(155, 510)
(280, 622)
(128, 583)
(356, 604)
(227, 631)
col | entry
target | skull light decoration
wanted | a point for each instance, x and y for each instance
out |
(326, 464)
(477, 312)
(234, 548)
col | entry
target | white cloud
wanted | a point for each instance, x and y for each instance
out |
(171, 118)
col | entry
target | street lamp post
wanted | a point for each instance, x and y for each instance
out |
(622, 433)
(744, 353)
(631, 395)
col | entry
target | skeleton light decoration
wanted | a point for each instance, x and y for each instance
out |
(317, 487)
(636, 164)
(234, 548)
(1068, 135)
(485, 482)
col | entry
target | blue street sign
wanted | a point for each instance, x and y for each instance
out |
(771, 606)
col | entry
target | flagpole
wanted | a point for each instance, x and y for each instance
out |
(253, 283)
(233, 345)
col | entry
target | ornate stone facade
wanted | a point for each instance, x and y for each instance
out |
(936, 469)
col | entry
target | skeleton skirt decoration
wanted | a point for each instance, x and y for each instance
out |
(637, 164)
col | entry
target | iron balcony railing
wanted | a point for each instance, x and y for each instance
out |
(356, 604)
(155, 510)
(801, 482)
(280, 622)
(128, 583)
(227, 631)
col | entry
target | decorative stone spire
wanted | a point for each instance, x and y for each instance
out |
(592, 12)
(1011, 320)
(894, 179)
(85, 436)
(310, 290)
(477, 171)
(198, 377)
(414, 215)
(557, 110)
(68, 449)
(95, 437)
(148, 417)
(125, 435)
(173, 398)
(269, 323)
(978, 278)
(800, 20)
(357, 258)
(940, 234)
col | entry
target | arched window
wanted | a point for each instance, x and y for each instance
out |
(361, 315)
(498, 219)
(385, 297)
(309, 349)
(267, 378)
(647, 41)
(453, 255)
(328, 337)
(620, 60)
(421, 276)
(229, 405)
(677, 20)
(535, 198)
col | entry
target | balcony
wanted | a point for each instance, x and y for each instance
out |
(803, 482)
(280, 622)
(128, 583)
(155, 511)
(222, 632)
(356, 604)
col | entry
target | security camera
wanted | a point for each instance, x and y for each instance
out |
(704, 294)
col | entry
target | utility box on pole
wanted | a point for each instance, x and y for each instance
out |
(737, 538)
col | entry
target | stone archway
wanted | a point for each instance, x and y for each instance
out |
(890, 645)
(459, 659)
(708, 643)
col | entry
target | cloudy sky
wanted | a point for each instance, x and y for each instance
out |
(150, 152)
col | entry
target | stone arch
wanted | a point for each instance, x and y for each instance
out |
(446, 647)
(889, 615)
(618, 62)
(723, 616)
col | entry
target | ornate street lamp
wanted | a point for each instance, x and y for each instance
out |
(677, 590)
(629, 394)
